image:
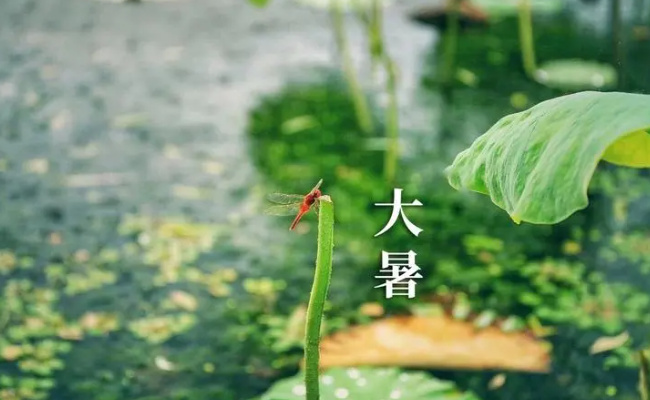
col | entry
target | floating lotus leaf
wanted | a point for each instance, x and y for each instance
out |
(576, 75)
(608, 343)
(183, 300)
(434, 342)
(11, 352)
(370, 384)
(8, 262)
(159, 329)
(469, 15)
(537, 164)
(502, 8)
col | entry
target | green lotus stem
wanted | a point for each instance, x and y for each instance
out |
(617, 41)
(644, 372)
(318, 295)
(375, 36)
(451, 39)
(362, 111)
(526, 38)
(378, 52)
(376, 40)
(369, 19)
(392, 121)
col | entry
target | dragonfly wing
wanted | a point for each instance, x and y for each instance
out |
(281, 198)
(282, 210)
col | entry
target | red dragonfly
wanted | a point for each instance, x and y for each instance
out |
(289, 204)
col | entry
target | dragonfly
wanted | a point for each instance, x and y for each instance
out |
(290, 204)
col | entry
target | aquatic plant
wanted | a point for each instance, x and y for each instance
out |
(470, 15)
(318, 295)
(537, 164)
(572, 74)
(535, 272)
(567, 74)
(451, 36)
(379, 54)
(370, 14)
(362, 110)
(438, 341)
(371, 383)
(337, 10)
(526, 38)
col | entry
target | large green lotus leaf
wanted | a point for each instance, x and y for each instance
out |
(537, 164)
(632, 150)
(369, 384)
(574, 75)
(504, 8)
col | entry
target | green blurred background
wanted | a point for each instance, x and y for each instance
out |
(137, 144)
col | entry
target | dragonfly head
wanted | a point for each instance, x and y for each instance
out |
(317, 193)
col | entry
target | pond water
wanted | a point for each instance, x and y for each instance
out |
(137, 142)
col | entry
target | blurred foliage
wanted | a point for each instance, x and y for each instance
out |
(54, 318)
(179, 309)
(503, 8)
(552, 277)
(541, 274)
(537, 164)
(577, 75)
(259, 3)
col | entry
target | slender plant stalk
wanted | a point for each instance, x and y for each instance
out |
(644, 372)
(378, 51)
(5, 316)
(375, 36)
(318, 295)
(362, 111)
(617, 41)
(373, 41)
(526, 38)
(451, 42)
(392, 121)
